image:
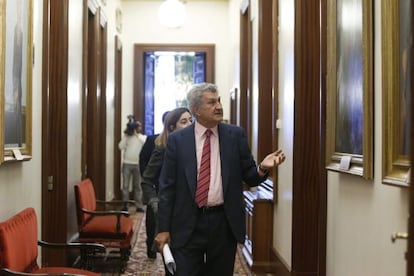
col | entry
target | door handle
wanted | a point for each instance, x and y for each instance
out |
(399, 235)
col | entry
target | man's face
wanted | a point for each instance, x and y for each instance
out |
(210, 113)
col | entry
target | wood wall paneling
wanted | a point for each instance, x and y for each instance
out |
(117, 117)
(265, 75)
(54, 128)
(410, 243)
(94, 97)
(309, 178)
(244, 22)
(103, 30)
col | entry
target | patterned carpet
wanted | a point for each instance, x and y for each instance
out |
(140, 265)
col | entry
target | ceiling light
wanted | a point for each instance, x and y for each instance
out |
(172, 14)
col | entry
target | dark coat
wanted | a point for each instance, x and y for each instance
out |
(151, 174)
(178, 211)
(146, 151)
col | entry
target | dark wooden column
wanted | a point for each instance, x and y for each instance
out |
(54, 128)
(245, 119)
(410, 243)
(309, 174)
(265, 75)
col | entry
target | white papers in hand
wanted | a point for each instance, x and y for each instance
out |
(168, 259)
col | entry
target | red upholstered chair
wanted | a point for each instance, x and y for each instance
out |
(19, 248)
(112, 228)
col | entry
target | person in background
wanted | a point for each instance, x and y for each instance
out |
(131, 145)
(200, 210)
(147, 148)
(176, 119)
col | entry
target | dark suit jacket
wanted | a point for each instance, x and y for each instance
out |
(149, 181)
(178, 211)
(146, 151)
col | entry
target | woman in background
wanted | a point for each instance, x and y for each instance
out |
(176, 119)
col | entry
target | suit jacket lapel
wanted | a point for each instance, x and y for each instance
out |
(189, 157)
(226, 146)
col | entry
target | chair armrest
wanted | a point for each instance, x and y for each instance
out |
(106, 213)
(118, 215)
(116, 202)
(97, 247)
(9, 272)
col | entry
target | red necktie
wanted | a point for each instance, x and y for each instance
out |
(203, 183)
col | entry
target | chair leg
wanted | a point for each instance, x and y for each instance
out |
(85, 259)
(125, 253)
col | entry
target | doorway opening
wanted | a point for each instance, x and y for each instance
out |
(173, 75)
(163, 76)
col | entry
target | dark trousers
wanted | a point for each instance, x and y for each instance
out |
(150, 221)
(211, 249)
(151, 228)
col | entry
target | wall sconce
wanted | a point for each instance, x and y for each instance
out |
(171, 14)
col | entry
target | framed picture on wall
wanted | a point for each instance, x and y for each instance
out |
(17, 78)
(350, 87)
(397, 71)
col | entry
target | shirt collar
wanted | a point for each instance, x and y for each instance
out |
(200, 130)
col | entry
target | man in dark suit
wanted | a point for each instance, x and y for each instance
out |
(203, 233)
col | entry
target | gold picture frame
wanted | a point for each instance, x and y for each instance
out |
(396, 83)
(350, 88)
(2, 22)
(17, 65)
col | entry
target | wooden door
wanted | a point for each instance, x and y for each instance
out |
(54, 127)
(118, 117)
(94, 98)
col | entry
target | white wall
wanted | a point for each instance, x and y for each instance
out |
(282, 230)
(207, 23)
(234, 46)
(74, 106)
(110, 13)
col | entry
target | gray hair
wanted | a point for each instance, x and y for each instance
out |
(195, 95)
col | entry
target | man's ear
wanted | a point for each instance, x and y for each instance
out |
(196, 111)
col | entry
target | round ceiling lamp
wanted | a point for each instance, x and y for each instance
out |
(172, 14)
